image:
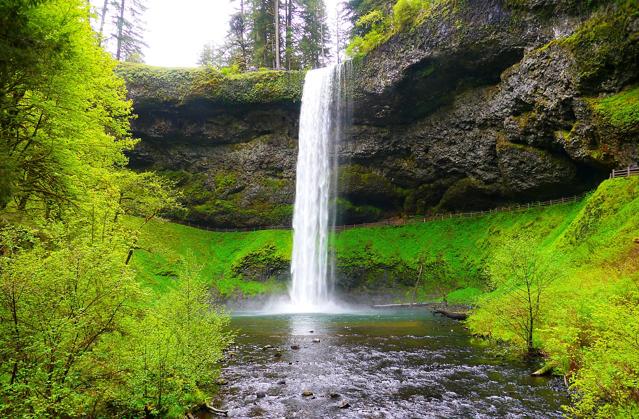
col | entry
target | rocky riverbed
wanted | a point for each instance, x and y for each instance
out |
(375, 364)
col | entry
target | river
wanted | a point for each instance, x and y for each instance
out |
(403, 363)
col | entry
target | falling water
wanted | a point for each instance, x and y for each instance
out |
(312, 220)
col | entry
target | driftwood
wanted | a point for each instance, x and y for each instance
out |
(215, 410)
(452, 314)
(543, 371)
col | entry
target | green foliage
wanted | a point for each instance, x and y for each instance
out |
(406, 12)
(378, 25)
(520, 275)
(172, 354)
(608, 381)
(620, 110)
(64, 117)
(584, 322)
(78, 340)
(70, 306)
(55, 308)
(376, 29)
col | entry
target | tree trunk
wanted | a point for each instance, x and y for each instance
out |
(118, 53)
(530, 324)
(243, 47)
(289, 35)
(276, 21)
(102, 19)
(321, 38)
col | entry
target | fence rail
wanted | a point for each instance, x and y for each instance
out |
(627, 172)
(470, 214)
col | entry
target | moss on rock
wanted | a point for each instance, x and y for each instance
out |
(606, 47)
(620, 110)
(468, 194)
(222, 199)
(266, 262)
(365, 186)
(183, 85)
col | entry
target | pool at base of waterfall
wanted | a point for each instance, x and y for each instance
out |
(401, 363)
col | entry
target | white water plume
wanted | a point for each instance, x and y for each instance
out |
(312, 219)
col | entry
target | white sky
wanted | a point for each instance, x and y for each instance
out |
(176, 30)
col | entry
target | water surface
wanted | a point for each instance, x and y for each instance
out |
(404, 363)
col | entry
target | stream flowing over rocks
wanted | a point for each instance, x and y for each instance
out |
(375, 364)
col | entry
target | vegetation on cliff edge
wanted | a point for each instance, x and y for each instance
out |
(181, 85)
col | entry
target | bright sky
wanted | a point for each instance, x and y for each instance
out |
(177, 30)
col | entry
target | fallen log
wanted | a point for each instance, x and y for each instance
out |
(402, 305)
(547, 369)
(215, 410)
(455, 315)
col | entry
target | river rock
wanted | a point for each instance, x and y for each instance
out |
(316, 341)
(344, 405)
(261, 394)
(307, 393)
(295, 347)
(334, 396)
(281, 382)
(221, 381)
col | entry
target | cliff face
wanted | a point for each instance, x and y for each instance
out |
(228, 141)
(483, 103)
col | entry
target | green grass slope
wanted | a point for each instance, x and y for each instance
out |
(163, 247)
(587, 324)
(439, 257)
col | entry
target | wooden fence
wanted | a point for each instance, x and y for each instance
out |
(627, 172)
(469, 214)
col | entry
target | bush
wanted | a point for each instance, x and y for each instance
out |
(171, 354)
(406, 12)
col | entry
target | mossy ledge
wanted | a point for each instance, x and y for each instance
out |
(156, 85)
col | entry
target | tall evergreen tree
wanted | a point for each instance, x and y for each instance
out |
(315, 34)
(129, 29)
(237, 43)
(289, 34)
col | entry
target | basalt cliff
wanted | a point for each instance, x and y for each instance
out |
(484, 103)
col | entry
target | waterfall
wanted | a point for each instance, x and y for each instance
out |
(315, 187)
